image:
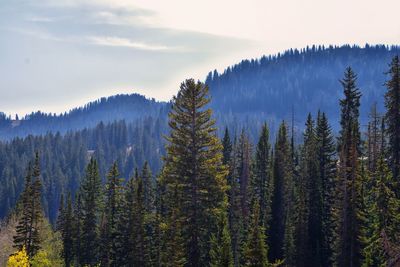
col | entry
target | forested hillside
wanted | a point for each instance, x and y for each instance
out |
(118, 107)
(225, 202)
(244, 95)
(300, 81)
(64, 158)
(212, 180)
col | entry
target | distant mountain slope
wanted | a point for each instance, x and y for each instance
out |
(307, 80)
(118, 107)
(246, 94)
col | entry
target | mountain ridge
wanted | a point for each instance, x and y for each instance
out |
(246, 94)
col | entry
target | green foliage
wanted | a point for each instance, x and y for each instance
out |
(347, 210)
(392, 103)
(221, 251)
(381, 215)
(255, 250)
(282, 195)
(89, 210)
(27, 230)
(193, 166)
(326, 174)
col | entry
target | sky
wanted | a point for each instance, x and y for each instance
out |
(59, 54)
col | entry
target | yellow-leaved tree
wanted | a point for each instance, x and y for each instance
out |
(19, 259)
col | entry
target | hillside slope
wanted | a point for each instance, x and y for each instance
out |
(246, 94)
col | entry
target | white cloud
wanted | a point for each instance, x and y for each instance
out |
(124, 42)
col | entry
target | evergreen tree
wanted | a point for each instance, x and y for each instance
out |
(305, 186)
(141, 248)
(374, 137)
(227, 147)
(27, 230)
(60, 215)
(66, 219)
(193, 165)
(381, 216)
(22, 237)
(112, 213)
(221, 251)
(261, 187)
(91, 195)
(77, 229)
(244, 174)
(255, 250)
(173, 253)
(282, 176)
(128, 224)
(235, 217)
(348, 192)
(392, 103)
(326, 174)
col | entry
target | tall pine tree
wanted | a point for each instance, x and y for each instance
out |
(347, 208)
(392, 103)
(193, 166)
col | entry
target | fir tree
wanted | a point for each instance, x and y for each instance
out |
(381, 216)
(305, 185)
(67, 233)
(193, 165)
(128, 226)
(348, 192)
(27, 230)
(173, 253)
(77, 229)
(140, 238)
(227, 147)
(21, 239)
(221, 251)
(261, 187)
(255, 250)
(112, 213)
(392, 103)
(60, 215)
(326, 174)
(235, 217)
(91, 195)
(282, 175)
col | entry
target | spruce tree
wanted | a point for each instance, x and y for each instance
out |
(60, 215)
(282, 176)
(27, 230)
(112, 213)
(193, 165)
(21, 239)
(305, 209)
(128, 224)
(348, 184)
(392, 103)
(141, 248)
(91, 196)
(221, 250)
(173, 252)
(67, 233)
(77, 229)
(235, 217)
(227, 147)
(326, 174)
(261, 184)
(255, 250)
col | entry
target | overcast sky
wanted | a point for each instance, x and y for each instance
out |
(55, 55)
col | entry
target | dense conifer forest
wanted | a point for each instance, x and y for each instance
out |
(181, 188)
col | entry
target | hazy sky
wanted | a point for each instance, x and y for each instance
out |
(55, 55)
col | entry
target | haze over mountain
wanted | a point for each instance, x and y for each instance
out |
(246, 94)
